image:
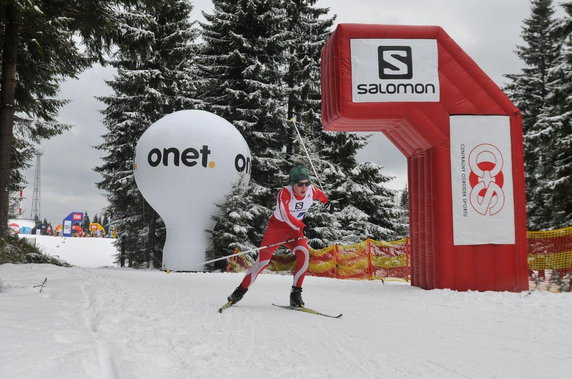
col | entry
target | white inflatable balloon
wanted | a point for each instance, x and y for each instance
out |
(185, 164)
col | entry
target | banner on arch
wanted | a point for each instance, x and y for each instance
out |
(481, 180)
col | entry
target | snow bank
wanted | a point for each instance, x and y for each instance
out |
(83, 252)
(123, 323)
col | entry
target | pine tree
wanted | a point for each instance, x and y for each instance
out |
(556, 124)
(233, 228)
(240, 64)
(403, 220)
(332, 153)
(42, 43)
(308, 29)
(293, 94)
(530, 91)
(85, 223)
(155, 78)
(105, 223)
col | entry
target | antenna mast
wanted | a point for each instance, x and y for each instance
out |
(37, 187)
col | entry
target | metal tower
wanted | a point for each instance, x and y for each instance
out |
(37, 187)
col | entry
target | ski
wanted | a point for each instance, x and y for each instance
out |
(226, 306)
(306, 310)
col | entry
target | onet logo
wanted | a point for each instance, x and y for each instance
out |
(191, 157)
(395, 62)
(242, 164)
(188, 157)
(486, 179)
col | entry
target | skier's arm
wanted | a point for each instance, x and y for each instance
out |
(318, 194)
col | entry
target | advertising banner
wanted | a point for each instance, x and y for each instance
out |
(481, 180)
(69, 221)
(394, 70)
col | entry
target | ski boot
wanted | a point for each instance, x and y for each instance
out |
(296, 297)
(237, 295)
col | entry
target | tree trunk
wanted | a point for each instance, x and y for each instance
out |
(122, 253)
(7, 94)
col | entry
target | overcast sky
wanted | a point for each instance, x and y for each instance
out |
(488, 31)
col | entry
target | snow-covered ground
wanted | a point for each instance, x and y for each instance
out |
(122, 323)
(84, 252)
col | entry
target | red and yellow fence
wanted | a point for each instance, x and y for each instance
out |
(548, 251)
(366, 260)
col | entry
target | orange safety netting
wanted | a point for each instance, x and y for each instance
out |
(370, 259)
(550, 250)
(366, 260)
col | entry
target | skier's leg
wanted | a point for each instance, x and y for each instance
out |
(262, 261)
(272, 236)
(302, 261)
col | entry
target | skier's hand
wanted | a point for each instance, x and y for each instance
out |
(329, 206)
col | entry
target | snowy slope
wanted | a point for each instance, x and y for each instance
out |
(84, 252)
(122, 323)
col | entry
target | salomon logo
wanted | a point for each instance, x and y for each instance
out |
(394, 70)
(395, 62)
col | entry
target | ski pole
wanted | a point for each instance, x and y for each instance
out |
(250, 251)
(293, 119)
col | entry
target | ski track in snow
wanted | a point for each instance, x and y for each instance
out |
(122, 323)
(106, 360)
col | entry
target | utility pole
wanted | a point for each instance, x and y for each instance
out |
(37, 187)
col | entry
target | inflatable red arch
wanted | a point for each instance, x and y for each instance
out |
(462, 137)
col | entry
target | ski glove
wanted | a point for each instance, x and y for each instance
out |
(329, 206)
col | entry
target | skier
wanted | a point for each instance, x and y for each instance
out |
(292, 203)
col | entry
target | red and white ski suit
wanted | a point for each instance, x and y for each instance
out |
(285, 224)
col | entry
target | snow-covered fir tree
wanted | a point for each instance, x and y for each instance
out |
(85, 223)
(291, 90)
(40, 47)
(154, 78)
(333, 154)
(365, 208)
(308, 29)
(554, 176)
(233, 228)
(240, 64)
(360, 187)
(403, 220)
(530, 91)
(105, 223)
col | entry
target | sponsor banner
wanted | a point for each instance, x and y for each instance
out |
(67, 228)
(481, 180)
(394, 70)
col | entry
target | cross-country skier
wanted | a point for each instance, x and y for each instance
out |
(292, 203)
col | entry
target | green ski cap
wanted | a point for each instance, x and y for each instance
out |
(298, 173)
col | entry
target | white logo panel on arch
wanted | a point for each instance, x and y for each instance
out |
(394, 70)
(481, 180)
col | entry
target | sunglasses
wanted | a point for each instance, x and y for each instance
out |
(302, 184)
